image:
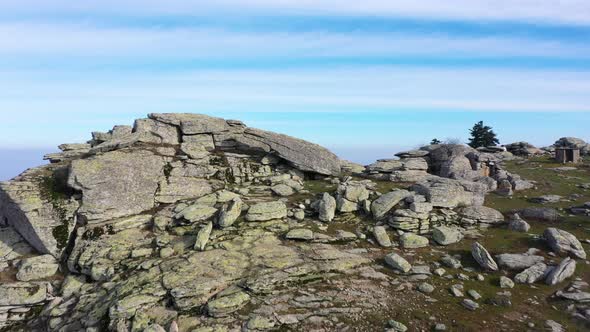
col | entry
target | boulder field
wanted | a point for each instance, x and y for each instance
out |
(186, 222)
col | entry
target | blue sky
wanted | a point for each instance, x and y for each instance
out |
(363, 78)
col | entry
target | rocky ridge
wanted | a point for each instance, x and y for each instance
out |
(186, 222)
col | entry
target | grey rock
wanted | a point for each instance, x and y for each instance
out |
(506, 282)
(229, 212)
(192, 124)
(162, 133)
(203, 236)
(412, 241)
(267, 211)
(474, 294)
(518, 261)
(470, 304)
(398, 262)
(12, 245)
(426, 288)
(282, 190)
(38, 267)
(382, 205)
(227, 304)
(540, 213)
(22, 293)
(518, 224)
(481, 214)
(483, 257)
(116, 184)
(177, 188)
(445, 235)
(450, 193)
(533, 274)
(564, 270)
(397, 326)
(381, 236)
(300, 234)
(545, 199)
(32, 206)
(553, 326)
(451, 262)
(327, 208)
(196, 213)
(563, 242)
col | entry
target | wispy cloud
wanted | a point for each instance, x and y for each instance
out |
(564, 11)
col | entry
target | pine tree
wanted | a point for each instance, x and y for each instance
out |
(435, 141)
(482, 136)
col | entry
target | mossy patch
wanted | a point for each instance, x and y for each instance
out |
(57, 193)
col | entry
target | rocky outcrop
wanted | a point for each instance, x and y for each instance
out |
(564, 243)
(573, 142)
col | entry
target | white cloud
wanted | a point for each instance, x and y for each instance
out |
(328, 90)
(562, 11)
(38, 39)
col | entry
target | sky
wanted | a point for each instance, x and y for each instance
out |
(365, 79)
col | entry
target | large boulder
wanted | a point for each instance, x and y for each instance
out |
(450, 193)
(483, 257)
(382, 205)
(38, 207)
(480, 215)
(234, 135)
(518, 262)
(565, 269)
(116, 184)
(267, 211)
(563, 242)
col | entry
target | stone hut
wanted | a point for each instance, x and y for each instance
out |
(567, 154)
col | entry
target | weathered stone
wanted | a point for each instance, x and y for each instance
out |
(300, 234)
(38, 267)
(564, 243)
(445, 235)
(381, 236)
(230, 212)
(450, 193)
(382, 205)
(12, 245)
(518, 224)
(203, 236)
(564, 270)
(192, 124)
(518, 261)
(345, 206)
(506, 282)
(35, 206)
(227, 304)
(116, 184)
(162, 133)
(540, 213)
(267, 211)
(451, 262)
(196, 213)
(483, 257)
(282, 190)
(179, 188)
(426, 288)
(397, 326)
(533, 274)
(545, 199)
(469, 304)
(412, 241)
(327, 208)
(22, 293)
(397, 262)
(481, 214)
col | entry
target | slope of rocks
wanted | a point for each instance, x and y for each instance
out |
(185, 222)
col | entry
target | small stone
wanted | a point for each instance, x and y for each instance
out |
(397, 326)
(506, 282)
(166, 252)
(35, 268)
(381, 236)
(440, 327)
(444, 235)
(483, 257)
(412, 241)
(470, 304)
(426, 288)
(203, 237)
(439, 272)
(518, 224)
(451, 262)
(300, 234)
(299, 215)
(474, 294)
(457, 290)
(398, 262)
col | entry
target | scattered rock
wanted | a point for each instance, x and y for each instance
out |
(518, 262)
(563, 242)
(564, 270)
(381, 236)
(518, 224)
(203, 236)
(506, 282)
(445, 235)
(397, 262)
(387, 201)
(483, 257)
(327, 208)
(267, 211)
(470, 304)
(533, 274)
(412, 241)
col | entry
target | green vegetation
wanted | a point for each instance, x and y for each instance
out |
(56, 193)
(482, 136)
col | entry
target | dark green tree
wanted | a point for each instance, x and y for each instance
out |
(482, 136)
(435, 141)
